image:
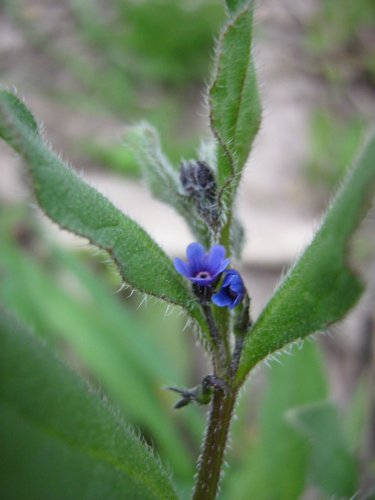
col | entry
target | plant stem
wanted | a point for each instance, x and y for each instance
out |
(222, 319)
(220, 364)
(212, 457)
(236, 356)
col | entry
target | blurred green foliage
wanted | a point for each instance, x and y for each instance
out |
(275, 458)
(57, 294)
(333, 145)
(131, 60)
(340, 45)
(162, 41)
(67, 298)
(341, 34)
(275, 443)
(58, 439)
(333, 469)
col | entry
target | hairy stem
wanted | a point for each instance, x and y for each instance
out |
(236, 356)
(212, 457)
(222, 319)
(221, 359)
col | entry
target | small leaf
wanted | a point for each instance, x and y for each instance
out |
(162, 178)
(79, 208)
(320, 288)
(332, 468)
(57, 438)
(21, 113)
(235, 110)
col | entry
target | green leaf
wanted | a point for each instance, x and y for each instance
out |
(112, 156)
(128, 362)
(162, 178)
(21, 113)
(143, 141)
(79, 208)
(332, 468)
(235, 110)
(58, 438)
(320, 288)
(234, 5)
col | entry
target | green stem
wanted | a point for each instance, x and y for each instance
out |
(220, 355)
(222, 318)
(212, 457)
(236, 356)
(223, 402)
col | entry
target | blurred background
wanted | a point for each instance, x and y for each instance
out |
(89, 69)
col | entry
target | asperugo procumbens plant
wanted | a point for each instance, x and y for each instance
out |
(318, 290)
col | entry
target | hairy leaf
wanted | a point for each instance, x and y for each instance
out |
(160, 175)
(59, 439)
(320, 288)
(130, 364)
(163, 179)
(79, 208)
(234, 5)
(235, 110)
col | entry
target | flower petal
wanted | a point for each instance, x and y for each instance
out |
(224, 264)
(215, 258)
(222, 299)
(182, 267)
(232, 290)
(237, 301)
(227, 278)
(195, 253)
(234, 280)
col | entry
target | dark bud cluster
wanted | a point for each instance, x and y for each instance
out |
(198, 179)
(198, 182)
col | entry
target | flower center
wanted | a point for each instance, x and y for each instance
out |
(203, 275)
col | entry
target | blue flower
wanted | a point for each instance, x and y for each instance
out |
(232, 291)
(202, 268)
